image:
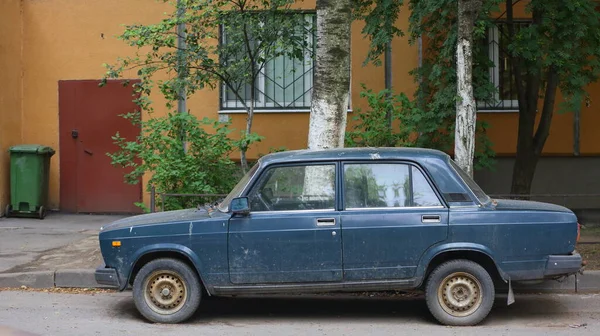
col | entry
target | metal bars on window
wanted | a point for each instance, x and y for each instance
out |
(501, 73)
(284, 83)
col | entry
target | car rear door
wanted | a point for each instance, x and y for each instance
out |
(391, 215)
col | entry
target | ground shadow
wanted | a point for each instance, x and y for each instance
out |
(526, 309)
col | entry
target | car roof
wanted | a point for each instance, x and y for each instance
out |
(363, 153)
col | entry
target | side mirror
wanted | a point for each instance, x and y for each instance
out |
(240, 206)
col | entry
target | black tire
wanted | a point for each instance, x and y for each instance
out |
(472, 290)
(42, 212)
(172, 276)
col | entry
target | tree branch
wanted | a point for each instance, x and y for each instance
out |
(505, 11)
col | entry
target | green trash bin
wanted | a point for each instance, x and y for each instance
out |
(29, 174)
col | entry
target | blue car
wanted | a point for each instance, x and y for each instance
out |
(369, 219)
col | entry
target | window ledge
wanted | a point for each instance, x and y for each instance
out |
(299, 110)
(498, 111)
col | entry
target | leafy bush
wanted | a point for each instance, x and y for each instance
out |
(372, 129)
(204, 167)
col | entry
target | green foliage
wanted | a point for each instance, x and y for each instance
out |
(429, 119)
(411, 127)
(380, 18)
(371, 129)
(226, 42)
(553, 43)
(564, 36)
(436, 22)
(254, 33)
(204, 168)
(484, 155)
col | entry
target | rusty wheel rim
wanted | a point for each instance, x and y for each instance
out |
(165, 292)
(459, 294)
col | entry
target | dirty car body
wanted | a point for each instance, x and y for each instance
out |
(352, 220)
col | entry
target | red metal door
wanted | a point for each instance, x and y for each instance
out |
(88, 118)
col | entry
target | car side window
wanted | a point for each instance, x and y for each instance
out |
(386, 185)
(309, 187)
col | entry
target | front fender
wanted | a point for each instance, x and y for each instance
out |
(182, 249)
(434, 251)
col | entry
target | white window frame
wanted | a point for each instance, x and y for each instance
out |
(494, 72)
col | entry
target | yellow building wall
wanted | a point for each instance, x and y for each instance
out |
(10, 88)
(66, 40)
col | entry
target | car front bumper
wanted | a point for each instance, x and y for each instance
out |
(107, 276)
(563, 264)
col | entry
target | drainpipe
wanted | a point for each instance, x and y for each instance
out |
(576, 130)
(388, 79)
(420, 51)
(182, 99)
(420, 65)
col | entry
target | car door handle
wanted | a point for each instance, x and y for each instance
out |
(325, 221)
(431, 218)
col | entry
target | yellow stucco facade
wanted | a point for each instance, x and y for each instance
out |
(10, 87)
(44, 41)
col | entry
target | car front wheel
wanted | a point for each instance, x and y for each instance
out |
(460, 293)
(166, 291)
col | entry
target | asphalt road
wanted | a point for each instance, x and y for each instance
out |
(115, 314)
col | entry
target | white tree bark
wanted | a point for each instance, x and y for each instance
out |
(332, 75)
(466, 112)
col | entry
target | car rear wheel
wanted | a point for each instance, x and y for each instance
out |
(167, 291)
(460, 293)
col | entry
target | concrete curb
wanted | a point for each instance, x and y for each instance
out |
(80, 278)
(84, 278)
(43, 279)
(76, 278)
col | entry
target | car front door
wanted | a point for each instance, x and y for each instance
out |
(292, 234)
(391, 215)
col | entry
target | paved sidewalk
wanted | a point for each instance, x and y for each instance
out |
(63, 248)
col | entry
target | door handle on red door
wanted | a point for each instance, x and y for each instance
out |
(87, 151)
(325, 221)
(431, 219)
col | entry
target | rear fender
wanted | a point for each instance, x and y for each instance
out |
(437, 250)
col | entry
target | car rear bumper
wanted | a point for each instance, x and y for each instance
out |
(563, 264)
(107, 276)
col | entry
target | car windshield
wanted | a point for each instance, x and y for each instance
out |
(476, 189)
(237, 190)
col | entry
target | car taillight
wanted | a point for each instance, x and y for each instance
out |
(578, 232)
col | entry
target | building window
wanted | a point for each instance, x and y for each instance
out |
(501, 73)
(284, 83)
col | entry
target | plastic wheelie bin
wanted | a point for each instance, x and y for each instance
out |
(29, 174)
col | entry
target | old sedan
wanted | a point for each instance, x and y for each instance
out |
(342, 220)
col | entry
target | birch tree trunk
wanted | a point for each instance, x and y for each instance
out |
(332, 75)
(466, 113)
(249, 119)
